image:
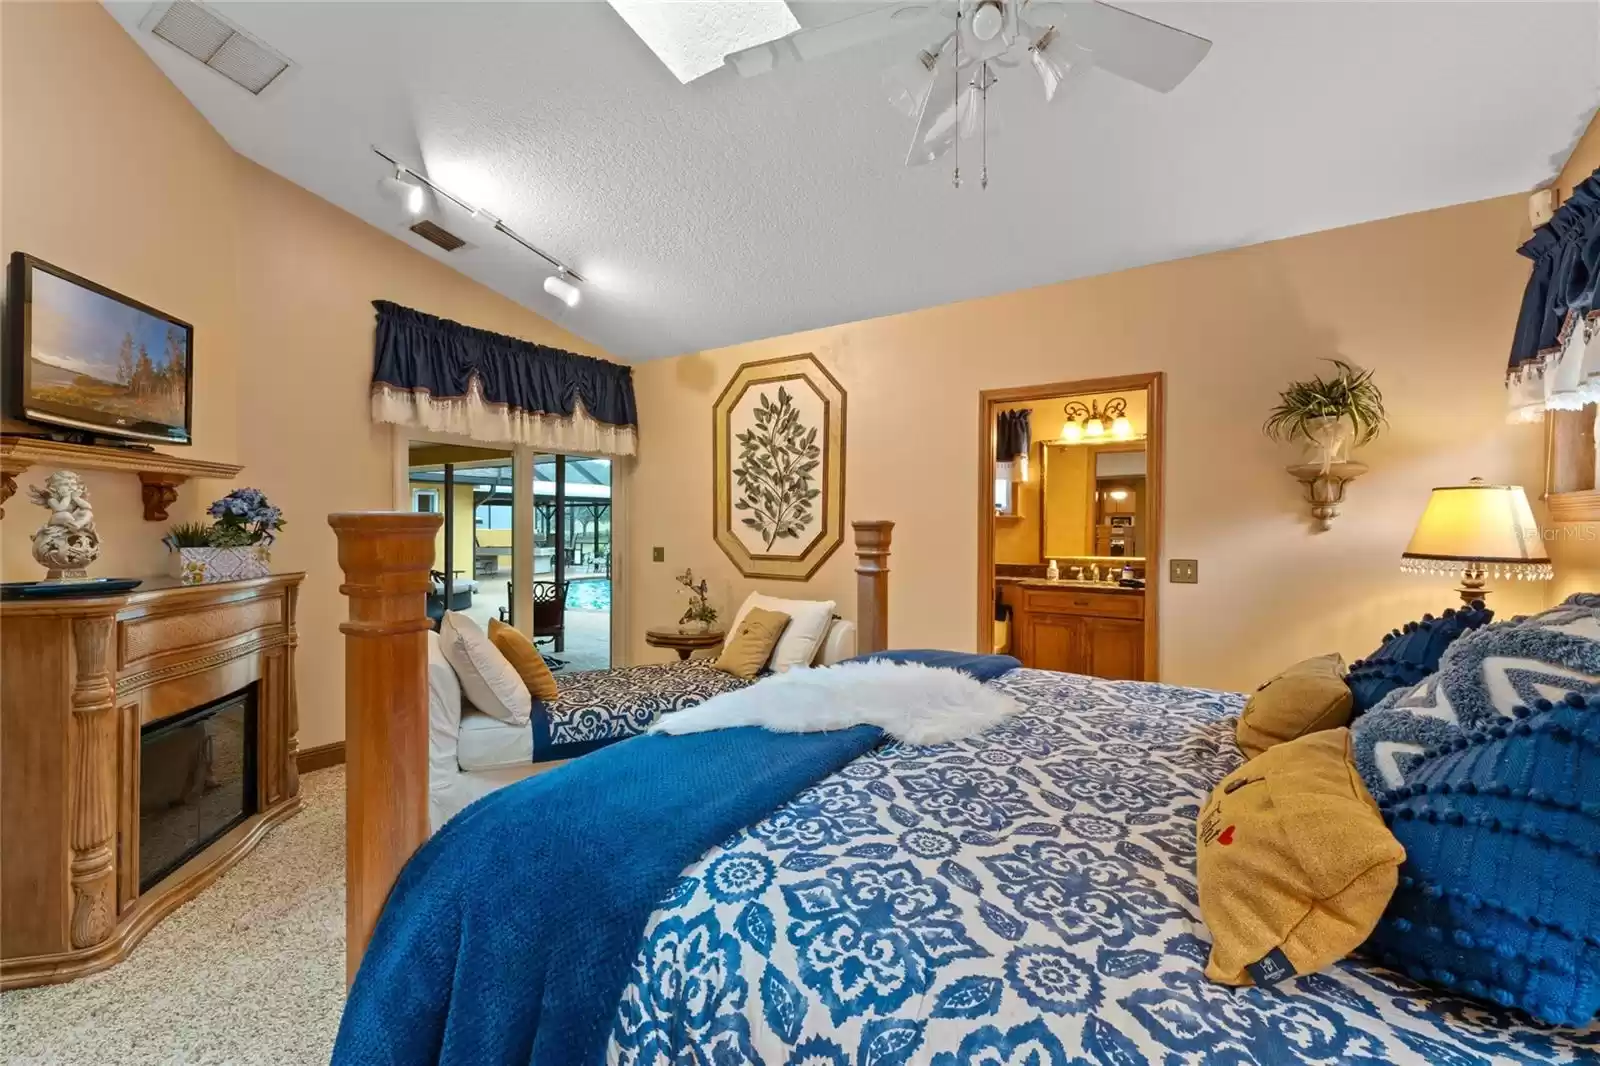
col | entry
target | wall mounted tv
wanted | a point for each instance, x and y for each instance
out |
(92, 361)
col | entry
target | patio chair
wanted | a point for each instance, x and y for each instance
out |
(549, 616)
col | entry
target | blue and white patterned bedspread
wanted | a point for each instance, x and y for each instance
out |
(594, 708)
(1026, 898)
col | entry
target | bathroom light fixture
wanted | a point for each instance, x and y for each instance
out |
(1087, 424)
(561, 290)
(416, 182)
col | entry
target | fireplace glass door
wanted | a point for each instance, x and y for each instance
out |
(197, 780)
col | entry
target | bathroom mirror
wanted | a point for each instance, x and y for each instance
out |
(1093, 500)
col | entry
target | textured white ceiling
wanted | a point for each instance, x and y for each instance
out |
(730, 209)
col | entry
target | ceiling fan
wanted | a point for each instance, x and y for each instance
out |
(945, 86)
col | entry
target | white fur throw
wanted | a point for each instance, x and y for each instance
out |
(911, 702)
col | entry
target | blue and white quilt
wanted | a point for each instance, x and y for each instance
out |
(1026, 898)
(595, 708)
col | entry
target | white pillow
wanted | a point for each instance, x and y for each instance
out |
(488, 679)
(802, 637)
(444, 716)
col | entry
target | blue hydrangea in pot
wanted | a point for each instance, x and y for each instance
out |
(235, 546)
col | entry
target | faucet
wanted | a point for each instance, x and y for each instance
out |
(1094, 571)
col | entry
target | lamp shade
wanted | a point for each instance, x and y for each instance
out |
(1488, 527)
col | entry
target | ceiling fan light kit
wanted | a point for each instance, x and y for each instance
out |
(945, 86)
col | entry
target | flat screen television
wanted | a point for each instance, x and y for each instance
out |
(87, 359)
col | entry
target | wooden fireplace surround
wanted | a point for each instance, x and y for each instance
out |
(81, 676)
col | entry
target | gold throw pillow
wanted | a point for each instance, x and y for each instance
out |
(1307, 697)
(750, 646)
(1294, 862)
(525, 660)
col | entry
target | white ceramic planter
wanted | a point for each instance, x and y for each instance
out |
(202, 566)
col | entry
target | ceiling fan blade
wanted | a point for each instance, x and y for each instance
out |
(879, 24)
(939, 121)
(1130, 46)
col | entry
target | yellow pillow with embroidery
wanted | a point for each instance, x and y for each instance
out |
(750, 646)
(1294, 862)
(1308, 697)
(524, 659)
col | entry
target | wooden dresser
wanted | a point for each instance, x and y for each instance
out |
(81, 679)
(1099, 631)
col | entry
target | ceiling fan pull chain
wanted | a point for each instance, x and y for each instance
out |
(956, 73)
(983, 88)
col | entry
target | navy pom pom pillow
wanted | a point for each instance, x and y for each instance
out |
(1499, 895)
(1408, 655)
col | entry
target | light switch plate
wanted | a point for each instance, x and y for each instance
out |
(1184, 571)
(658, 555)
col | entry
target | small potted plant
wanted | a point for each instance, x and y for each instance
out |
(700, 615)
(236, 546)
(1330, 415)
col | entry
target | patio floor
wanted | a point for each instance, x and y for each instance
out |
(588, 636)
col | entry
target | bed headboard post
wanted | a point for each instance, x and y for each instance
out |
(872, 585)
(385, 557)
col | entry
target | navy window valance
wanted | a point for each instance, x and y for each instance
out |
(442, 375)
(1552, 366)
(1013, 440)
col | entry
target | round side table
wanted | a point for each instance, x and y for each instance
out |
(685, 644)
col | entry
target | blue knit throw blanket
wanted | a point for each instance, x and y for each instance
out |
(508, 937)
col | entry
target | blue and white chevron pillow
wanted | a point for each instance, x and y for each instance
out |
(1482, 677)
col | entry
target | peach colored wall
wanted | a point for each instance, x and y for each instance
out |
(106, 171)
(109, 171)
(1427, 300)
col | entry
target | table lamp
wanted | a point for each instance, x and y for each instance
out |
(1478, 531)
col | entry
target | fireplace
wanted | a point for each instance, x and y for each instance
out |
(197, 780)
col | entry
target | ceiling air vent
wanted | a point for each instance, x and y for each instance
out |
(437, 234)
(197, 30)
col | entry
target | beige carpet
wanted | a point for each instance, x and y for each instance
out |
(250, 971)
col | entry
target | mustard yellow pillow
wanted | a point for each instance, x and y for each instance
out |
(750, 645)
(525, 660)
(1294, 862)
(1307, 697)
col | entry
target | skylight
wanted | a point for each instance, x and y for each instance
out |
(692, 36)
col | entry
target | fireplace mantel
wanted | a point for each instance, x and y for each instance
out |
(82, 677)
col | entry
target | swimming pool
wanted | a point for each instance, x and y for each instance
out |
(589, 594)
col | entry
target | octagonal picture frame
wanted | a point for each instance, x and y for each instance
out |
(778, 439)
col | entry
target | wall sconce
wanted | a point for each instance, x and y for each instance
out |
(1088, 425)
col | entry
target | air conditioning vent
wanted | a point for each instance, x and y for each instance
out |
(437, 234)
(197, 30)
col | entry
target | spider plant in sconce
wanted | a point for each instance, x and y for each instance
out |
(1330, 414)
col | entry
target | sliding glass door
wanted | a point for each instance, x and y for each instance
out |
(474, 567)
(572, 557)
(558, 570)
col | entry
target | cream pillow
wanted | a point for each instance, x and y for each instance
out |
(488, 680)
(802, 639)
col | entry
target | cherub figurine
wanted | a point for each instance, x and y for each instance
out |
(67, 543)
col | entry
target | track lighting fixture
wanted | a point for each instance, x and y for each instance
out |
(414, 188)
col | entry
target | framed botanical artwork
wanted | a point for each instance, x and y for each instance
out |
(778, 467)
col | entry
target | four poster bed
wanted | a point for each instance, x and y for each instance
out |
(1022, 895)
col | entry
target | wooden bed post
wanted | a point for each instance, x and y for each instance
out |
(385, 557)
(872, 585)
